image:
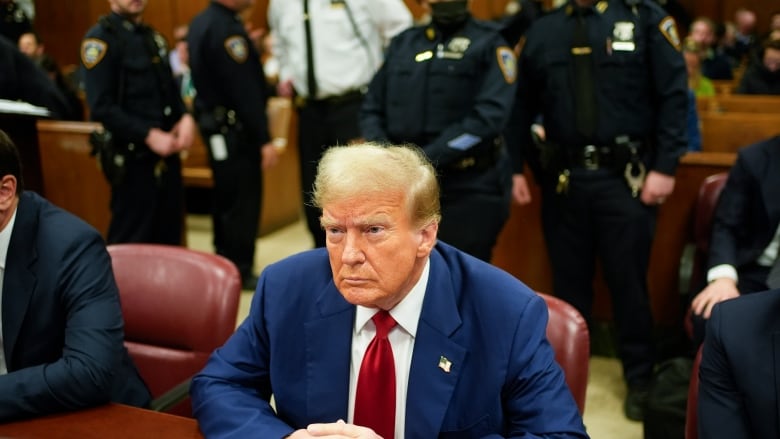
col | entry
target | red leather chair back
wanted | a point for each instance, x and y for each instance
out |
(568, 334)
(704, 209)
(709, 192)
(178, 305)
(691, 416)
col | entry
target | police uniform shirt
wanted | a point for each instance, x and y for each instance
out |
(226, 70)
(639, 74)
(348, 41)
(131, 59)
(451, 95)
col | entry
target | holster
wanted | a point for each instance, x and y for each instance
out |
(111, 160)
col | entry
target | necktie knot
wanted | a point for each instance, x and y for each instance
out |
(384, 322)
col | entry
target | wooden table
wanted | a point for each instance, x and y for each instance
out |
(114, 421)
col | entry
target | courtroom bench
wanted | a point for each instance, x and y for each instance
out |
(729, 131)
(73, 181)
(740, 103)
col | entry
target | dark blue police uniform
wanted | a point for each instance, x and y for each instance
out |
(130, 90)
(451, 94)
(230, 109)
(590, 208)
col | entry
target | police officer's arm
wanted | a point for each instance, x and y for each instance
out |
(670, 86)
(101, 58)
(241, 78)
(670, 81)
(488, 116)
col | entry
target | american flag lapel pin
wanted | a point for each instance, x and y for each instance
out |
(445, 364)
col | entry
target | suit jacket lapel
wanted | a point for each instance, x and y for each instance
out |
(436, 360)
(328, 359)
(19, 279)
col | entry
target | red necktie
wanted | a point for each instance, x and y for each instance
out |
(375, 396)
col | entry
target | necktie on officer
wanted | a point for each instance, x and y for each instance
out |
(311, 79)
(375, 395)
(584, 92)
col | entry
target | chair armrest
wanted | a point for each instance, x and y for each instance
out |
(175, 395)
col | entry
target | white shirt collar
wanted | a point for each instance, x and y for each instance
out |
(406, 313)
(5, 239)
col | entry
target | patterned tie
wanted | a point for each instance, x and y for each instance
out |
(375, 396)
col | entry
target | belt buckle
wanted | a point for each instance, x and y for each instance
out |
(590, 157)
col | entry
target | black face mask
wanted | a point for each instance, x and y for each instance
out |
(449, 14)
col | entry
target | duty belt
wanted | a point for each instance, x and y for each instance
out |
(624, 157)
(350, 96)
(481, 161)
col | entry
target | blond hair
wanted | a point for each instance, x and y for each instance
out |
(370, 168)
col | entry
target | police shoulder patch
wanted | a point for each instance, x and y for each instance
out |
(668, 28)
(236, 48)
(508, 63)
(92, 52)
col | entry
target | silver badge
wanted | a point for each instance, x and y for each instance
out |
(624, 36)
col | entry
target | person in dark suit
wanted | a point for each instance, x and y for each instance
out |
(745, 229)
(21, 79)
(469, 353)
(61, 328)
(738, 377)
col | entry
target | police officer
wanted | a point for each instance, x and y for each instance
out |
(230, 108)
(448, 87)
(131, 91)
(609, 81)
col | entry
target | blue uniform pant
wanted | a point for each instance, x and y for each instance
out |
(599, 219)
(148, 205)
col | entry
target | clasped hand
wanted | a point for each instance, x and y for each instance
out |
(335, 430)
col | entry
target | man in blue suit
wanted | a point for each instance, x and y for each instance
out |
(469, 352)
(745, 229)
(739, 376)
(61, 338)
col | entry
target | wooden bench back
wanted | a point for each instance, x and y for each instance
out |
(730, 131)
(739, 104)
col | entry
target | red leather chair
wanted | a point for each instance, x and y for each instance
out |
(568, 334)
(178, 305)
(691, 416)
(704, 209)
(709, 192)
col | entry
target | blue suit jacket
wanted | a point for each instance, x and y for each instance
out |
(62, 322)
(296, 343)
(739, 376)
(748, 210)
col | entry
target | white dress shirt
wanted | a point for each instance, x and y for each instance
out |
(401, 337)
(766, 259)
(343, 60)
(5, 240)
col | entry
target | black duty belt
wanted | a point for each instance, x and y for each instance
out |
(479, 161)
(346, 98)
(594, 157)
